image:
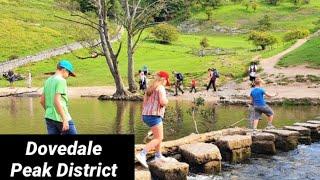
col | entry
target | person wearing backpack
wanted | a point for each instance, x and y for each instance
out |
(213, 75)
(252, 72)
(179, 81)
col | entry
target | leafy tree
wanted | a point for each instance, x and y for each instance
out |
(264, 24)
(273, 2)
(209, 13)
(86, 5)
(165, 33)
(250, 3)
(204, 43)
(262, 39)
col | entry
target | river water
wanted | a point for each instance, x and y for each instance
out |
(25, 116)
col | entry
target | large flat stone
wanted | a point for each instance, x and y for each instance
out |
(211, 167)
(263, 136)
(142, 174)
(285, 140)
(236, 155)
(308, 125)
(169, 170)
(264, 147)
(314, 121)
(303, 131)
(200, 153)
(234, 142)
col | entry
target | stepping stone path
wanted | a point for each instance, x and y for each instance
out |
(315, 130)
(235, 148)
(314, 121)
(304, 132)
(170, 169)
(263, 143)
(142, 174)
(285, 140)
(202, 157)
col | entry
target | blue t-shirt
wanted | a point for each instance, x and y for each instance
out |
(257, 95)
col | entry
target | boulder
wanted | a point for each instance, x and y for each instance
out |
(262, 136)
(314, 121)
(236, 155)
(315, 130)
(200, 153)
(169, 170)
(234, 142)
(305, 133)
(211, 167)
(285, 140)
(264, 147)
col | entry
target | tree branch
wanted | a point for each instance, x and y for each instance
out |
(78, 22)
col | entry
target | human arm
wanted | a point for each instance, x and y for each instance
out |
(43, 101)
(163, 100)
(271, 95)
(59, 108)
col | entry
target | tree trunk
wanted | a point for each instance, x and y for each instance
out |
(263, 47)
(131, 81)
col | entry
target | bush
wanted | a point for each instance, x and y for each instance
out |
(165, 33)
(262, 39)
(12, 57)
(273, 2)
(209, 13)
(264, 23)
(296, 34)
(204, 43)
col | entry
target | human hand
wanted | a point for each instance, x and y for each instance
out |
(65, 126)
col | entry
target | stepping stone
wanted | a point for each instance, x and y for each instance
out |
(315, 130)
(314, 121)
(305, 133)
(235, 148)
(263, 143)
(169, 170)
(202, 157)
(142, 174)
(285, 140)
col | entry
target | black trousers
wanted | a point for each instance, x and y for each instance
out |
(213, 83)
(193, 88)
(178, 87)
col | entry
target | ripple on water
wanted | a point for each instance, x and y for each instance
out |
(301, 163)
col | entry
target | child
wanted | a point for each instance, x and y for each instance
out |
(54, 100)
(259, 104)
(252, 72)
(193, 86)
(154, 103)
(142, 80)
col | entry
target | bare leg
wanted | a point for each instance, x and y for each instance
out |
(158, 137)
(255, 123)
(270, 118)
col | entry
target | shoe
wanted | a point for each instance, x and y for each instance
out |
(161, 158)
(175, 95)
(270, 126)
(142, 159)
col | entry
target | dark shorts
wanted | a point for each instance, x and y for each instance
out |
(259, 110)
(252, 78)
(152, 120)
(55, 127)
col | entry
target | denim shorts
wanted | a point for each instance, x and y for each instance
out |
(259, 110)
(55, 127)
(152, 120)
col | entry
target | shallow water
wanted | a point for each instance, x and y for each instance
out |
(25, 116)
(301, 163)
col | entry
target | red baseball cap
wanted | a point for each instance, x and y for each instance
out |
(165, 75)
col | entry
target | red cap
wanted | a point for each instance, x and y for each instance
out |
(165, 75)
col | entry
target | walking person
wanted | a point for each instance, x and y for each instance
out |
(193, 86)
(259, 105)
(154, 103)
(252, 72)
(212, 73)
(11, 78)
(179, 81)
(55, 102)
(142, 81)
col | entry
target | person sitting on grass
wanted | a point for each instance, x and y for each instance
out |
(259, 104)
(54, 100)
(154, 103)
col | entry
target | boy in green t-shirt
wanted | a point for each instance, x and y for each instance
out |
(55, 101)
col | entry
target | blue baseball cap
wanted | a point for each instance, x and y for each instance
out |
(68, 66)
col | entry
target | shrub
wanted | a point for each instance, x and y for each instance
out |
(209, 13)
(14, 56)
(165, 33)
(264, 23)
(204, 43)
(296, 34)
(273, 2)
(262, 39)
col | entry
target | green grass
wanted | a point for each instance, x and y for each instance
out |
(28, 27)
(307, 53)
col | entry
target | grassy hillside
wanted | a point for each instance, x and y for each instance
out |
(28, 27)
(307, 53)
(178, 56)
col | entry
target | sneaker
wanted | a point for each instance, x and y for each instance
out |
(142, 159)
(270, 126)
(161, 158)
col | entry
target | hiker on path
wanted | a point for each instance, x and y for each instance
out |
(193, 86)
(145, 70)
(179, 81)
(212, 75)
(252, 72)
(142, 81)
(11, 78)
(154, 103)
(54, 100)
(259, 105)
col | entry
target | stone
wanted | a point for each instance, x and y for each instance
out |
(305, 133)
(200, 153)
(169, 170)
(142, 174)
(285, 140)
(314, 121)
(211, 167)
(262, 136)
(264, 147)
(234, 142)
(236, 155)
(315, 130)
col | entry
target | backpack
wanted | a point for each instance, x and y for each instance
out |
(216, 74)
(179, 76)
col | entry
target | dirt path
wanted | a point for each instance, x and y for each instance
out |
(269, 64)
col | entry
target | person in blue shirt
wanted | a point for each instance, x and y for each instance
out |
(259, 104)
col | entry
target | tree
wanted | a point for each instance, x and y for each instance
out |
(273, 2)
(135, 17)
(262, 39)
(165, 33)
(209, 13)
(296, 34)
(264, 23)
(204, 43)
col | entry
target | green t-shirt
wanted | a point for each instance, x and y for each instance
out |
(55, 85)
